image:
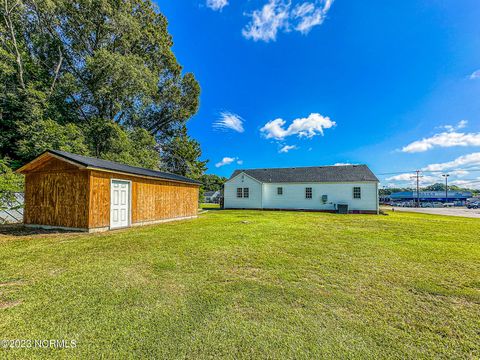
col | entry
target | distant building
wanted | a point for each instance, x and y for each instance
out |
(212, 196)
(431, 196)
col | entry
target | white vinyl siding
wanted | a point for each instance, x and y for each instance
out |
(294, 196)
(253, 200)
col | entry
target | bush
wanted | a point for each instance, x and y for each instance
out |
(10, 183)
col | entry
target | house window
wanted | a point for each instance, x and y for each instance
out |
(308, 193)
(357, 192)
(279, 190)
(239, 192)
(246, 192)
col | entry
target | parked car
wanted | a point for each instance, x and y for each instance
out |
(473, 205)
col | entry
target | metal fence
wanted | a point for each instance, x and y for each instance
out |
(11, 212)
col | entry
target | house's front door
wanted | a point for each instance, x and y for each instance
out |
(120, 204)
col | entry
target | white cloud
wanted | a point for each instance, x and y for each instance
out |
(410, 179)
(471, 184)
(217, 5)
(231, 121)
(287, 148)
(277, 15)
(446, 139)
(342, 164)
(228, 160)
(225, 161)
(304, 9)
(475, 75)
(461, 125)
(449, 138)
(459, 173)
(267, 21)
(310, 15)
(465, 161)
(308, 127)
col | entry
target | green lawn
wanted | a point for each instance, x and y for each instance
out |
(249, 284)
(209, 206)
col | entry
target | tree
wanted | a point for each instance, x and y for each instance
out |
(42, 135)
(10, 183)
(109, 140)
(102, 70)
(181, 156)
(212, 182)
(435, 187)
(389, 191)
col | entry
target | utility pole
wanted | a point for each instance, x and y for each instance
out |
(446, 186)
(417, 177)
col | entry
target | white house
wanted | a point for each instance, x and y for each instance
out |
(212, 196)
(320, 188)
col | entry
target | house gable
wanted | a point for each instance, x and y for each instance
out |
(244, 174)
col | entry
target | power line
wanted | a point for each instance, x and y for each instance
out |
(427, 171)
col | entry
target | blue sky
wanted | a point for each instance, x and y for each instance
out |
(392, 84)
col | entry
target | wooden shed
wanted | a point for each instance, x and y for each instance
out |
(69, 191)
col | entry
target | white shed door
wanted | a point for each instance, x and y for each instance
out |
(120, 204)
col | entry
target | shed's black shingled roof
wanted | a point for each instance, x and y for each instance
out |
(114, 166)
(343, 173)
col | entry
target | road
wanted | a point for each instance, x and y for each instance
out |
(463, 212)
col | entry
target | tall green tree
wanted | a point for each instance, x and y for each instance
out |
(181, 155)
(40, 135)
(102, 70)
(212, 182)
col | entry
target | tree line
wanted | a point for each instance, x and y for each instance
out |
(433, 187)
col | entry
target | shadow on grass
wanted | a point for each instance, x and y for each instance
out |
(21, 230)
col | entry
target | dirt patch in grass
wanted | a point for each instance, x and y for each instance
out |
(21, 230)
(9, 304)
(11, 283)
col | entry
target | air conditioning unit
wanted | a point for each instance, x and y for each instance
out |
(342, 208)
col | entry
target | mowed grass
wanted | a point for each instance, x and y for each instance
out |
(210, 206)
(249, 284)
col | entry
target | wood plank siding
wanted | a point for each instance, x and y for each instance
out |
(152, 200)
(61, 194)
(57, 195)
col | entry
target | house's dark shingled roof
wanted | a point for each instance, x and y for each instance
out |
(343, 173)
(114, 166)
